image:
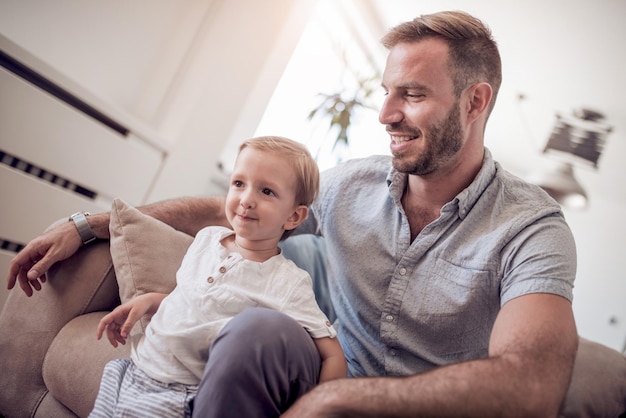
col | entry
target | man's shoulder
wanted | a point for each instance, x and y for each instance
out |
(372, 162)
(519, 191)
(368, 168)
(517, 203)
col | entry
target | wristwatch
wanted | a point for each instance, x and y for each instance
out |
(84, 230)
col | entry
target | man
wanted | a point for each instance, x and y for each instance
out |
(452, 280)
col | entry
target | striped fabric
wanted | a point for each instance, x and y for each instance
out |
(126, 391)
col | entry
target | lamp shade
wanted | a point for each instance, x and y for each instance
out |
(560, 183)
(579, 137)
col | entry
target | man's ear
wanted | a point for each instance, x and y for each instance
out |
(297, 217)
(479, 97)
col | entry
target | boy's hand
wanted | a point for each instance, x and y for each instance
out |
(121, 320)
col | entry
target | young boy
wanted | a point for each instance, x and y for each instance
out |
(223, 272)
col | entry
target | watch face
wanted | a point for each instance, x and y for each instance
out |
(78, 214)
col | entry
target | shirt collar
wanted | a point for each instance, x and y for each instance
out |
(464, 201)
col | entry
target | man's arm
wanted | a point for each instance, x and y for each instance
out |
(531, 356)
(188, 214)
(29, 266)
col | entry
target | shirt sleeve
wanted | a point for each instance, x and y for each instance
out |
(302, 306)
(541, 259)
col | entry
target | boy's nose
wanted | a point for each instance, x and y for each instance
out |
(247, 202)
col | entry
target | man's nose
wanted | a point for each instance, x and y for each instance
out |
(390, 112)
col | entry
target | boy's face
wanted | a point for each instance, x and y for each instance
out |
(260, 203)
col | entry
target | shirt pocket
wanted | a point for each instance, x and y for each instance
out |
(454, 308)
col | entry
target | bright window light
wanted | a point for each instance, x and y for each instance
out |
(327, 60)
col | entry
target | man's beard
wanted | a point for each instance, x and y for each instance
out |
(444, 140)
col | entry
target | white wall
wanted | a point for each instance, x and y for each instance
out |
(186, 69)
(600, 292)
(122, 51)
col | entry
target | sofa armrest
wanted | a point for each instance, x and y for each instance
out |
(76, 387)
(81, 284)
(598, 386)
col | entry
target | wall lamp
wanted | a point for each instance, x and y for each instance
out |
(578, 139)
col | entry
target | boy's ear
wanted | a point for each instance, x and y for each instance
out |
(297, 217)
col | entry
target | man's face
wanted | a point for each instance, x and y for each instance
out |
(421, 111)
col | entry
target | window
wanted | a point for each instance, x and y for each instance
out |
(329, 59)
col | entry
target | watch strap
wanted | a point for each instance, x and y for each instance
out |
(84, 230)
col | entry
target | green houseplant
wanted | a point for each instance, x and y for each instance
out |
(339, 107)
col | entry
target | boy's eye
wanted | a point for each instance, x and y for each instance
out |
(237, 183)
(267, 192)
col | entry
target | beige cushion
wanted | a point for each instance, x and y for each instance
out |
(146, 253)
(76, 344)
(598, 387)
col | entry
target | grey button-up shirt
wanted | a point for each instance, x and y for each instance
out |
(405, 307)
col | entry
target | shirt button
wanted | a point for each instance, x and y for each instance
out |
(389, 318)
(328, 323)
(222, 269)
(402, 271)
(392, 353)
(210, 280)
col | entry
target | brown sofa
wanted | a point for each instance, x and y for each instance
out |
(51, 362)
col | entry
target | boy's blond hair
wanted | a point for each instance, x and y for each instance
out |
(304, 166)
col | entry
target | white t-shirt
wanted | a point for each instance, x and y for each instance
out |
(212, 286)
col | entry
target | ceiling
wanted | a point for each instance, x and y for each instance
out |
(559, 55)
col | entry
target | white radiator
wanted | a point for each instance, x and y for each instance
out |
(62, 150)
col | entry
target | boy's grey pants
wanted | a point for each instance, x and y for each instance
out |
(261, 363)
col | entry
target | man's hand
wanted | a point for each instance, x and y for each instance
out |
(29, 266)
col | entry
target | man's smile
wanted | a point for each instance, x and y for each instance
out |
(398, 139)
